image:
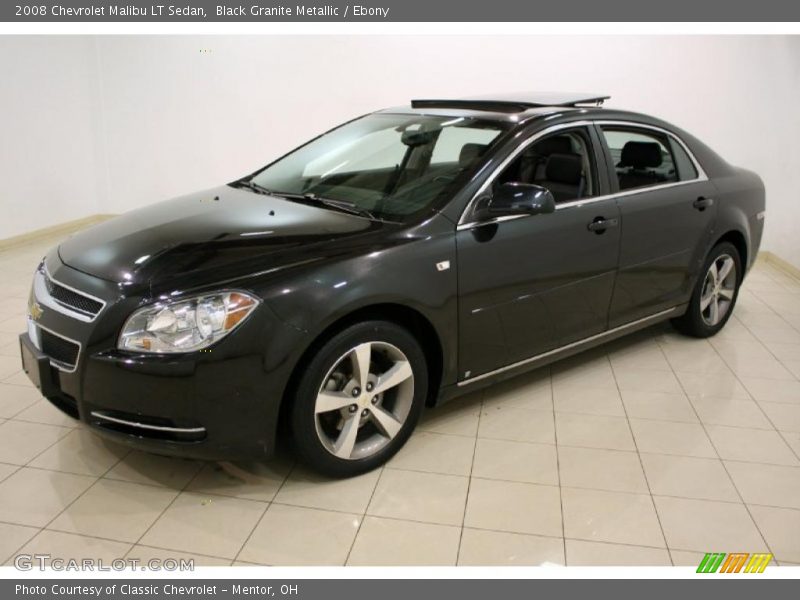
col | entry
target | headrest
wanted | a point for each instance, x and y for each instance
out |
(469, 152)
(641, 155)
(564, 168)
(557, 144)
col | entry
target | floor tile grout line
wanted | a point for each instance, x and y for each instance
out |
(558, 471)
(724, 466)
(364, 515)
(46, 525)
(263, 514)
(177, 495)
(639, 457)
(15, 469)
(469, 482)
(780, 433)
(568, 487)
(16, 414)
(200, 554)
(519, 533)
(38, 454)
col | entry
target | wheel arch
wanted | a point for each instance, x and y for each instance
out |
(405, 316)
(739, 241)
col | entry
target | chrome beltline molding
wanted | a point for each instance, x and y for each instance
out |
(556, 351)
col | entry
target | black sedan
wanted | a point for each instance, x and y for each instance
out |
(397, 261)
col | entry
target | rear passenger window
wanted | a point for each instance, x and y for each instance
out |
(686, 169)
(641, 158)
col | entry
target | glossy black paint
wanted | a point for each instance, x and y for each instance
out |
(513, 288)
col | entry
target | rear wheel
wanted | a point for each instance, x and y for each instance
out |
(714, 295)
(359, 399)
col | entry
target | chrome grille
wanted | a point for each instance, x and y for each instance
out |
(72, 299)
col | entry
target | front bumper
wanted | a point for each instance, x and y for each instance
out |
(217, 405)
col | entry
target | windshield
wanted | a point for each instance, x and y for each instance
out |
(390, 166)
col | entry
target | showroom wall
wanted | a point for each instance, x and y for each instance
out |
(50, 148)
(133, 120)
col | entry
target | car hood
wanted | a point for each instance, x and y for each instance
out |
(216, 234)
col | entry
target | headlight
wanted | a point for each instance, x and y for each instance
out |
(186, 325)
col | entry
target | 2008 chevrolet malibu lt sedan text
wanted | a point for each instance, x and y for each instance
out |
(396, 261)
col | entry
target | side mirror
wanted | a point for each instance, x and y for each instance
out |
(520, 199)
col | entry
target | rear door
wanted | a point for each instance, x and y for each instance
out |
(667, 212)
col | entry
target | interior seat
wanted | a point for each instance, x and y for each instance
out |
(534, 160)
(564, 176)
(469, 153)
(638, 159)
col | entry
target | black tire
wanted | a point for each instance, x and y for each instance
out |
(337, 352)
(693, 322)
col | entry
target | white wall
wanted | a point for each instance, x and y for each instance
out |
(172, 119)
(50, 167)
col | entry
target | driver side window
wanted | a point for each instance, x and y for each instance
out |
(562, 162)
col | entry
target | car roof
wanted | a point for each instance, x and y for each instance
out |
(509, 107)
(514, 102)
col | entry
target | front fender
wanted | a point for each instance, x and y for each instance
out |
(415, 269)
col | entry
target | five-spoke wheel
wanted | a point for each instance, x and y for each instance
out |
(714, 294)
(364, 400)
(719, 289)
(359, 398)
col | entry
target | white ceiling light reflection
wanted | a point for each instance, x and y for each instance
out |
(255, 233)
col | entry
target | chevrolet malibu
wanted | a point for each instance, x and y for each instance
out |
(397, 261)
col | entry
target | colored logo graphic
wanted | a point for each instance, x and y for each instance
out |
(34, 310)
(737, 562)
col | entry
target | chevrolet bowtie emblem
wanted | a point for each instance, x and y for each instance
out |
(34, 310)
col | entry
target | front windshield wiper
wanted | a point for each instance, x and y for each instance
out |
(252, 185)
(342, 205)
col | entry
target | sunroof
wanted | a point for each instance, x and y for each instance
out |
(512, 103)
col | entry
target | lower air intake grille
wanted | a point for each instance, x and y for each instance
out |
(71, 299)
(58, 349)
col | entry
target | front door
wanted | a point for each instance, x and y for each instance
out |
(534, 283)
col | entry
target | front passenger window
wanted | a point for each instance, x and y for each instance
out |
(562, 163)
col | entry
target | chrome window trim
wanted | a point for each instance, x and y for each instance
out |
(576, 344)
(58, 365)
(119, 421)
(42, 295)
(463, 224)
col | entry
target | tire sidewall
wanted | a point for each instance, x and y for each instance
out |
(303, 420)
(698, 326)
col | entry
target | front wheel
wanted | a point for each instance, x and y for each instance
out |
(359, 398)
(714, 295)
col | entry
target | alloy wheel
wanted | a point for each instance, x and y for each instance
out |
(719, 289)
(364, 400)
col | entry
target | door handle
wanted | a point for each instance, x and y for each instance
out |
(600, 224)
(703, 203)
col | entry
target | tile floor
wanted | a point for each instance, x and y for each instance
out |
(649, 451)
